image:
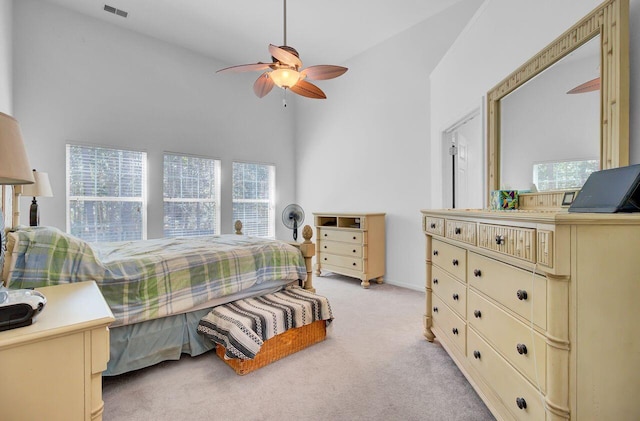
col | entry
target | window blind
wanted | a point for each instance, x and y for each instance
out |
(106, 193)
(254, 198)
(191, 195)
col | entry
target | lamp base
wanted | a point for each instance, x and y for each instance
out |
(34, 214)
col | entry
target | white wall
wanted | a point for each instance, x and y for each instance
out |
(502, 36)
(366, 148)
(6, 39)
(78, 79)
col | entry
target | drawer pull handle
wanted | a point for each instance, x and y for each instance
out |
(325, 246)
(455, 330)
(354, 263)
(477, 273)
(354, 237)
(354, 251)
(435, 252)
(457, 231)
(499, 239)
(435, 280)
(433, 225)
(522, 404)
(522, 294)
(476, 355)
(477, 314)
(325, 258)
(456, 297)
(522, 349)
(455, 262)
(435, 309)
(325, 235)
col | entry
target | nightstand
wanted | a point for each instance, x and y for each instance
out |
(53, 369)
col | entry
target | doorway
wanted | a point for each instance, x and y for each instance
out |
(463, 158)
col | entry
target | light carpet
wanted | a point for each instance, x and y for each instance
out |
(374, 365)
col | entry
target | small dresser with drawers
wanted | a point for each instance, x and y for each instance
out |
(537, 309)
(351, 244)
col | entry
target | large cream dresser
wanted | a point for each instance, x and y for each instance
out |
(351, 244)
(52, 369)
(538, 309)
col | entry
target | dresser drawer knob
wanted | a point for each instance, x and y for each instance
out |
(354, 237)
(325, 246)
(325, 258)
(326, 235)
(456, 297)
(435, 309)
(455, 330)
(522, 349)
(435, 252)
(477, 314)
(457, 230)
(354, 251)
(455, 262)
(522, 404)
(477, 273)
(476, 354)
(499, 239)
(433, 225)
(522, 294)
(355, 264)
(435, 280)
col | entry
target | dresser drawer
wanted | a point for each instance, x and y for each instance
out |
(453, 327)
(450, 258)
(525, 349)
(450, 290)
(505, 380)
(509, 286)
(513, 241)
(345, 236)
(346, 262)
(434, 225)
(461, 231)
(345, 249)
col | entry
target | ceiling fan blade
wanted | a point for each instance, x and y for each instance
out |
(284, 56)
(323, 71)
(590, 86)
(246, 67)
(263, 85)
(307, 89)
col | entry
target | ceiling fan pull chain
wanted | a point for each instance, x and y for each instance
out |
(284, 98)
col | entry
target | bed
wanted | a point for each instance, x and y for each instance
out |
(158, 290)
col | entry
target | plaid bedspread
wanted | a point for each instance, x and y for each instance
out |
(143, 280)
(242, 326)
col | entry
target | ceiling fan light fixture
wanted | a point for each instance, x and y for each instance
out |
(285, 78)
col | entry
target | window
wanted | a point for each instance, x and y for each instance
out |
(563, 174)
(191, 195)
(106, 193)
(254, 198)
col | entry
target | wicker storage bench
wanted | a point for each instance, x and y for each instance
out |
(254, 332)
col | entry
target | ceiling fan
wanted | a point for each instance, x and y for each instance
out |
(285, 71)
(589, 86)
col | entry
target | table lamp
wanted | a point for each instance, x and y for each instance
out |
(14, 165)
(41, 188)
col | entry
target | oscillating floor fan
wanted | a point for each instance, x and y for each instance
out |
(292, 218)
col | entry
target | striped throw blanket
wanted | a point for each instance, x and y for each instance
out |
(144, 280)
(242, 326)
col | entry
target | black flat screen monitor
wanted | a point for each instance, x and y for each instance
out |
(610, 191)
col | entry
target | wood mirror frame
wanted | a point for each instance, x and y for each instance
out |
(610, 20)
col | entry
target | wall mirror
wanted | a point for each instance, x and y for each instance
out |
(533, 122)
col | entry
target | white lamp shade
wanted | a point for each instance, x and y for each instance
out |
(41, 188)
(14, 165)
(285, 78)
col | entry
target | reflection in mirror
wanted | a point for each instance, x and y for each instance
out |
(550, 140)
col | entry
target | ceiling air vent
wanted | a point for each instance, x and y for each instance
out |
(115, 11)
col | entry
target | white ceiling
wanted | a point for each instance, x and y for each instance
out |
(239, 31)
